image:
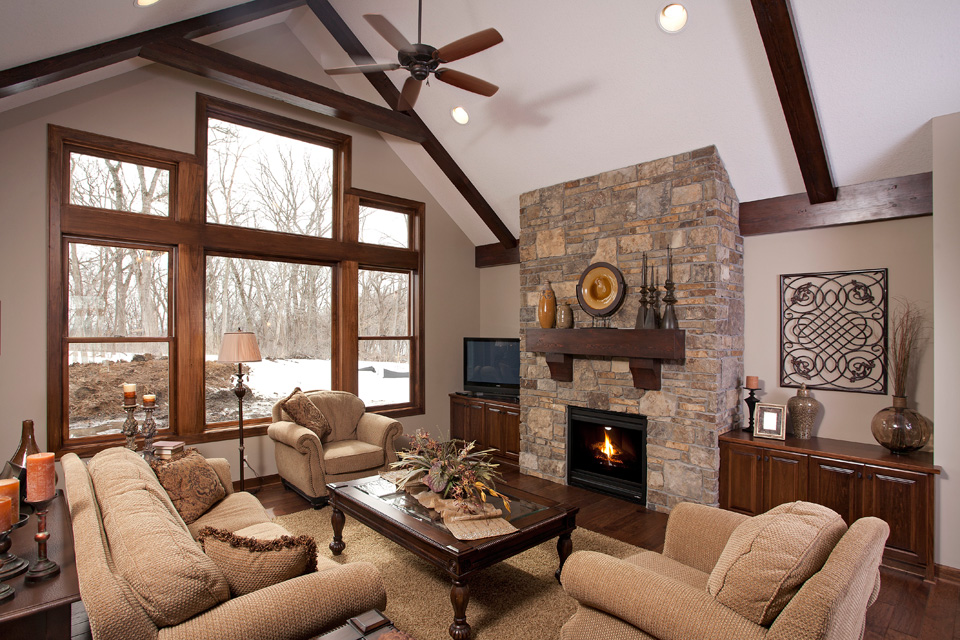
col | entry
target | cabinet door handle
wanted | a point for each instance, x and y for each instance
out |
(766, 458)
(859, 474)
(869, 476)
(758, 457)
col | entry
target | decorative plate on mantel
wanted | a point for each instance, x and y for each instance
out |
(601, 289)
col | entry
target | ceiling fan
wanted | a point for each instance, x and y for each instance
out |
(421, 59)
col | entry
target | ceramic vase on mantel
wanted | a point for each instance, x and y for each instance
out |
(803, 413)
(547, 307)
(900, 429)
(564, 316)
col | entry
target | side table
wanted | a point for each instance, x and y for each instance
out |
(41, 610)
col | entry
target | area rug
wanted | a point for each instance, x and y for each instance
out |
(518, 599)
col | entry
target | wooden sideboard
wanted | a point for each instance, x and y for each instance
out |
(491, 423)
(853, 479)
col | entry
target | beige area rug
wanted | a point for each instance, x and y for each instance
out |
(518, 599)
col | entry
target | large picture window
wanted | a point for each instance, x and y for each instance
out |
(161, 253)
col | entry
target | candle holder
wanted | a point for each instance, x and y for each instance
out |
(149, 431)
(11, 565)
(669, 300)
(6, 591)
(752, 402)
(44, 568)
(130, 427)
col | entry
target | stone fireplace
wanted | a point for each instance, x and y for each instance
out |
(684, 202)
(607, 452)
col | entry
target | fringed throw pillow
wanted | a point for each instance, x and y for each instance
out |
(299, 407)
(258, 556)
(191, 483)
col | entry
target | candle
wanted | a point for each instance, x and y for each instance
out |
(129, 394)
(753, 382)
(669, 265)
(10, 488)
(41, 478)
(644, 268)
(149, 400)
(6, 514)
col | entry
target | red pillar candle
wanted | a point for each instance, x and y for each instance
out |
(129, 394)
(149, 400)
(10, 488)
(753, 382)
(41, 477)
(6, 514)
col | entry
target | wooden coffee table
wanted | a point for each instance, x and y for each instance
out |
(400, 518)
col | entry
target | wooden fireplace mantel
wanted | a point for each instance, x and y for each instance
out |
(645, 348)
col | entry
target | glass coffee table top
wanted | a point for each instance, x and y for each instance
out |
(387, 492)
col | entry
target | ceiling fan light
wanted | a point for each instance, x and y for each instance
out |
(144, 3)
(672, 18)
(460, 115)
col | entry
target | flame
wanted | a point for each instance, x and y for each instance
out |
(607, 451)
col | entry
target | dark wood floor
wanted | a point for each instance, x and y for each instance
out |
(908, 608)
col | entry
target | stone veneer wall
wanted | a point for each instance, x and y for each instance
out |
(685, 202)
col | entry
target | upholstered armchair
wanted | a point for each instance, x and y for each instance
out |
(359, 444)
(793, 573)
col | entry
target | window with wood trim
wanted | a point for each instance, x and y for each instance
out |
(157, 253)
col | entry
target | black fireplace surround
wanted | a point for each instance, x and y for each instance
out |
(607, 452)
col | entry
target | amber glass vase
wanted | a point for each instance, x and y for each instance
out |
(17, 467)
(899, 428)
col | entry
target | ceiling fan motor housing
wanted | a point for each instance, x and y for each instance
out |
(420, 62)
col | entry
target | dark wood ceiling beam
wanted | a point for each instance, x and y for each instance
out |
(388, 91)
(494, 255)
(786, 62)
(237, 72)
(903, 197)
(67, 65)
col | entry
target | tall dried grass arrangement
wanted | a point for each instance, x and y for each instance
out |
(908, 329)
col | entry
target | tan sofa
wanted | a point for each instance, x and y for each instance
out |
(359, 444)
(666, 596)
(142, 574)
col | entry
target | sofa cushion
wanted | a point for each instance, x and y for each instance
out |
(769, 557)
(236, 511)
(342, 409)
(670, 568)
(259, 556)
(150, 546)
(348, 456)
(306, 414)
(192, 484)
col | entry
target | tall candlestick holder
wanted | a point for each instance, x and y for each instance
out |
(642, 311)
(6, 591)
(130, 427)
(149, 430)
(11, 565)
(44, 568)
(669, 300)
(752, 402)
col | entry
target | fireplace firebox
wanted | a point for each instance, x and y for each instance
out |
(607, 452)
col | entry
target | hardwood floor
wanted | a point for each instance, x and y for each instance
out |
(906, 609)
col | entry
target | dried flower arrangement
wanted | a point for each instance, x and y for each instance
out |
(452, 469)
(909, 326)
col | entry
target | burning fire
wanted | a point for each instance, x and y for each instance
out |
(607, 452)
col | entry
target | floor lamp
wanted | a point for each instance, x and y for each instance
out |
(240, 346)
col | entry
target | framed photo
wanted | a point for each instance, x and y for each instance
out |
(771, 421)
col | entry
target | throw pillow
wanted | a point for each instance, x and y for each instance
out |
(258, 556)
(192, 484)
(769, 557)
(299, 407)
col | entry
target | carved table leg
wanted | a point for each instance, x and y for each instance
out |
(336, 520)
(564, 549)
(460, 597)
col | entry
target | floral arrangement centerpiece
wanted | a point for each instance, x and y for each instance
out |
(451, 469)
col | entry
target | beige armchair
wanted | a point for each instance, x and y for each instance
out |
(359, 444)
(666, 596)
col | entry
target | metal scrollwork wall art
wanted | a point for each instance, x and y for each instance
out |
(833, 330)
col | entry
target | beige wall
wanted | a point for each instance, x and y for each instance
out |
(500, 301)
(946, 262)
(904, 247)
(156, 106)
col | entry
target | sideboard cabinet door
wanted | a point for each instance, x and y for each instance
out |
(740, 470)
(900, 498)
(836, 484)
(784, 478)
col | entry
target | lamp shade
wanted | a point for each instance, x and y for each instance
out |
(239, 346)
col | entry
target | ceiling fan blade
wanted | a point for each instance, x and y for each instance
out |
(469, 45)
(389, 32)
(466, 81)
(409, 94)
(363, 68)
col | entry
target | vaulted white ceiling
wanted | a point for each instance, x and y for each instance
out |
(590, 86)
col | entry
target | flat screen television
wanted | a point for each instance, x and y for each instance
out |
(491, 366)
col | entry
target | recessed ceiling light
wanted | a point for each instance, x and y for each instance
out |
(672, 18)
(144, 3)
(460, 115)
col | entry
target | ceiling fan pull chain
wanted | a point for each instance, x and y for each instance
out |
(419, 21)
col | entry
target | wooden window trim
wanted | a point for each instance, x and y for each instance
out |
(189, 238)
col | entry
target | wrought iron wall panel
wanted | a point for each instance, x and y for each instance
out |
(833, 331)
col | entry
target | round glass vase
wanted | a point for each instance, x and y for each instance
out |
(899, 429)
